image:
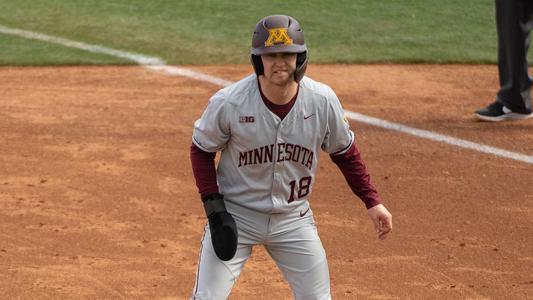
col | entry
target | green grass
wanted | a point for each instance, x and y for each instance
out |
(20, 51)
(219, 32)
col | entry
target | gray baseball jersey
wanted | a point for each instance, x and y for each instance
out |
(268, 164)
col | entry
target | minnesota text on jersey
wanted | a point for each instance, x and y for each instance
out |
(285, 152)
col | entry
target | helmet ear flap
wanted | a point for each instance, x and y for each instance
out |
(301, 58)
(301, 66)
(257, 63)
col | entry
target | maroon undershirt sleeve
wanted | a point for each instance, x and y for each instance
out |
(354, 170)
(203, 167)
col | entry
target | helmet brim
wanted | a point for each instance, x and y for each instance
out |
(279, 48)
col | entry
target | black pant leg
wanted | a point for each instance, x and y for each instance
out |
(514, 21)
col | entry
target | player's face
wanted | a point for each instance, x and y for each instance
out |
(279, 67)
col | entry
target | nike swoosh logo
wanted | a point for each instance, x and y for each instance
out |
(307, 117)
(304, 213)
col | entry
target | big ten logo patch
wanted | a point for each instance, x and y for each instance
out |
(278, 36)
(246, 119)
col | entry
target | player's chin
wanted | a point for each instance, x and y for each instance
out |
(281, 78)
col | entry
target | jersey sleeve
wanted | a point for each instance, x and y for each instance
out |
(338, 137)
(212, 130)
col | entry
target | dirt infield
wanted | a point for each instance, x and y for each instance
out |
(98, 201)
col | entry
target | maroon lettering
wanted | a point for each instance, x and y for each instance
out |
(285, 152)
(304, 155)
(302, 189)
(288, 151)
(305, 186)
(242, 159)
(293, 188)
(258, 155)
(296, 153)
(268, 153)
(249, 155)
(281, 147)
(309, 162)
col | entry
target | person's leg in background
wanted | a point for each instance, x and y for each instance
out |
(514, 21)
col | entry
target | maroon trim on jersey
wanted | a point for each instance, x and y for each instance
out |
(354, 170)
(203, 167)
(280, 110)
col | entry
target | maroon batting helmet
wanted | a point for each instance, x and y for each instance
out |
(279, 34)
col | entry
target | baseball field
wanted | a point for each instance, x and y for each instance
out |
(97, 105)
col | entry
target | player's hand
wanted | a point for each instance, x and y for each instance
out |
(382, 220)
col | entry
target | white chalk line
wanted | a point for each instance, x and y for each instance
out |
(439, 137)
(158, 65)
(177, 71)
(149, 62)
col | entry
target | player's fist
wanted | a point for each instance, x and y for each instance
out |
(221, 225)
(382, 220)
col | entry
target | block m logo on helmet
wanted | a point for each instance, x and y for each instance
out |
(278, 36)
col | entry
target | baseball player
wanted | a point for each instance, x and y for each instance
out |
(270, 128)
